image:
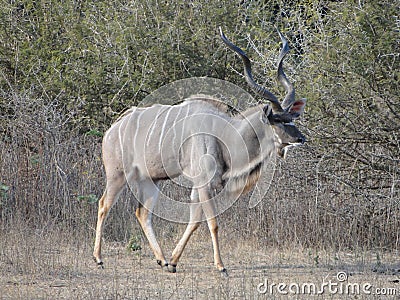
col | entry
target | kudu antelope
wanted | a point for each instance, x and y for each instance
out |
(133, 146)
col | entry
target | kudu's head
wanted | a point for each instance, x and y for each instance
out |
(279, 115)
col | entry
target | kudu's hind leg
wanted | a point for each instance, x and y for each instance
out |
(115, 185)
(148, 193)
(194, 223)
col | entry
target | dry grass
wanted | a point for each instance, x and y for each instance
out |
(57, 264)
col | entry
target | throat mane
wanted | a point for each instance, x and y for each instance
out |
(242, 183)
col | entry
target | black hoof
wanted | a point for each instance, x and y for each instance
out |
(99, 263)
(172, 268)
(159, 262)
(224, 273)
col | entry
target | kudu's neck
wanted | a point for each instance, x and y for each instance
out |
(257, 142)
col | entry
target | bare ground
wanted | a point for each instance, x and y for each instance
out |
(34, 265)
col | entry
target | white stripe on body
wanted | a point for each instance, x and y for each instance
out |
(163, 128)
(183, 127)
(176, 121)
(153, 125)
(137, 128)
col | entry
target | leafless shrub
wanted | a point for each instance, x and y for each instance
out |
(52, 177)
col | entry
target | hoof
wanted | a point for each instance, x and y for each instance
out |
(100, 264)
(161, 264)
(172, 268)
(224, 273)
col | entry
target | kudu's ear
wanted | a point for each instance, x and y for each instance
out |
(297, 108)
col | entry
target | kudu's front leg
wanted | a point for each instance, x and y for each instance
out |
(210, 213)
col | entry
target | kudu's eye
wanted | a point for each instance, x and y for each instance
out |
(274, 119)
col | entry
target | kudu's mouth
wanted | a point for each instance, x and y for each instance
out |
(300, 141)
(282, 150)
